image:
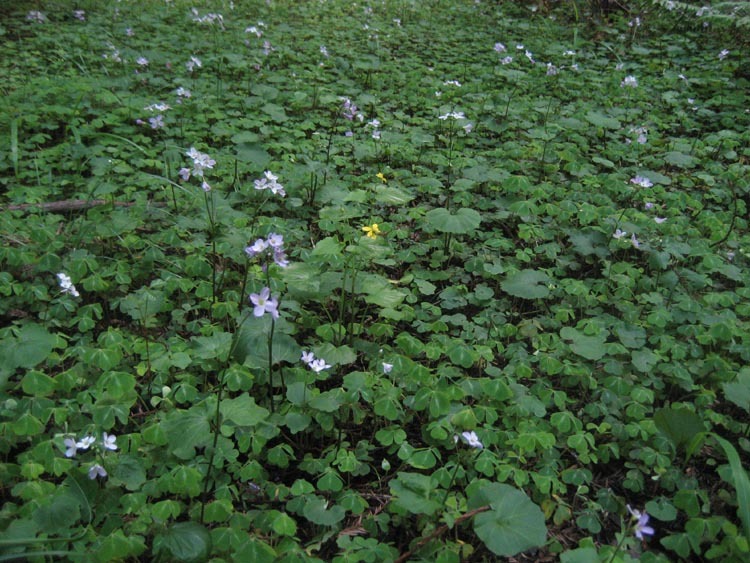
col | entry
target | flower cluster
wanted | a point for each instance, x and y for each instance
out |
(315, 364)
(641, 181)
(67, 285)
(499, 48)
(80, 15)
(274, 245)
(109, 442)
(269, 182)
(453, 114)
(36, 16)
(209, 18)
(263, 303)
(349, 110)
(375, 124)
(201, 161)
(629, 82)
(183, 93)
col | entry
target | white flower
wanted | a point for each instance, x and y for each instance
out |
(723, 54)
(183, 92)
(324, 51)
(308, 357)
(71, 446)
(618, 234)
(67, 285)
(468, 128)
(453, 114)
(97, 470)
(452, 83)
(318, 365)
(629, 82)
(641, 181)
(85, 442)
(387, 368)
(108, 440)
(530, 56)
(471, 439)
(660, 220)
(142, 61)
(193, 63)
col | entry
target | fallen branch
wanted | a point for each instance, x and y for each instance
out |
(440, 531)
(74, 205)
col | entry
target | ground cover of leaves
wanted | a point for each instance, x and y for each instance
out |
(383, 281)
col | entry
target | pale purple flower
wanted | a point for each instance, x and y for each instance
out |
(648, 205)
(71, 446)
(36, 16)
(318, 365)
(629, 82)
(256, 248)
(641, 181)
(276, 241)
(184, 174)
(618, 234)
(387, 368)
(348, 109)
(160, 107)
(702, 10)
(308, 357)
(254, 30)
(129, 32)
(552, 70)
(723, 54)
(201, 161)
(267, 48)
(634, 241)
(468, 128)
(156, 122)
(269, 182)
(471, 439)
(636, 22)
(205, 186)
(142, 61)
(108, 441)
(66, 285)
(79, 15)
(506, 60)
(97, 470)
(499, 48)
(264, 303)
(660, 220)
(376, 134)
(324, 51)
(530, 56)
(641, 527)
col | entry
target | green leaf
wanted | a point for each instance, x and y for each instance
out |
(514, 523)
(741, 483)
(679, 425)
(256, 551)
(589, 347)
(738, 391)
(252, 344)
(316, 511)
(414, 492)
(143, 304)
(598, 119)
(388, 195)
(184, 541)
(31, 346)
(243, 411)
(38, 384)
(461, 222)
(527, 284)
(130, 471)
(580, 555)
(187, 430)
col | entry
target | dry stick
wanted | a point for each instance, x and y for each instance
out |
(74, 205)
(440, 531)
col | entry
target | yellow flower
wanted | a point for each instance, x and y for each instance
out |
(382, 177)
(372, 231)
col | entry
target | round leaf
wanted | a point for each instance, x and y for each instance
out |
(461, 222)
(527, 284)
